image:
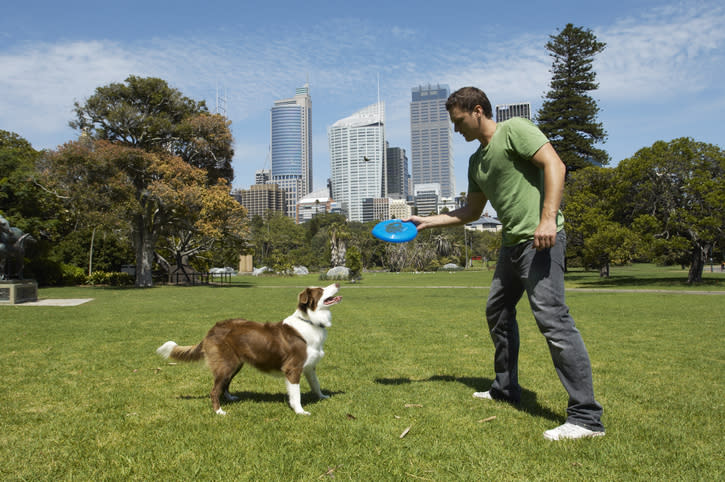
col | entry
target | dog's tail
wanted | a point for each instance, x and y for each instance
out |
(181, 353)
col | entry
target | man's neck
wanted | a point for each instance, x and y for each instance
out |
(488, 129)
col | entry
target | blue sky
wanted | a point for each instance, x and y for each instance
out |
(662, 75)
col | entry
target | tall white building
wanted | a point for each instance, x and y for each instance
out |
(291, 146)
(357, 159)
(431, 139)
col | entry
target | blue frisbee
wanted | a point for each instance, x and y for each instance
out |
(395, 231)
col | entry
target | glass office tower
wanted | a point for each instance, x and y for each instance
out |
(291, 146)
(431, 139)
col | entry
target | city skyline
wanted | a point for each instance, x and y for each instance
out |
(659, 76)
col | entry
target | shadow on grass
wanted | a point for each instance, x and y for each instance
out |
(620, 281)
(260, 397)
(528, 403)
(215, 285)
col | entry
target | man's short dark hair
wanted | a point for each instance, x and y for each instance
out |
(467, 98)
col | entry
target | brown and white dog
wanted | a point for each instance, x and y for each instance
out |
(291, 347)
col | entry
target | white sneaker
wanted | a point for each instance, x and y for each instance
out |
(570, 431)
(483, 395)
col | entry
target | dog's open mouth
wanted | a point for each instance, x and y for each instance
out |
(332, 300)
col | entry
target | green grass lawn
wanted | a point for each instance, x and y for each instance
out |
(85, 397)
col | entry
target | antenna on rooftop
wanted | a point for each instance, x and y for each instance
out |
(221, 102)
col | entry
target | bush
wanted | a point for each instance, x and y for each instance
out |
(111, 279)
(118, 278)
(73, 275)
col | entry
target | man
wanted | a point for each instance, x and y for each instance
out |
(520, 173)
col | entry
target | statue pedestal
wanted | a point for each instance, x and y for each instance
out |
(13, 292)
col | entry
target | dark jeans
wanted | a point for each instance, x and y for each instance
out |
(541, 274)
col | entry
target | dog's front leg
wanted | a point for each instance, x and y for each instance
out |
(293, 390)
(311, 376)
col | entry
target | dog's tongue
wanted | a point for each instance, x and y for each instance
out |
(332, 300)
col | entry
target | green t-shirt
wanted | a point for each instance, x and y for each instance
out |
(504, 173)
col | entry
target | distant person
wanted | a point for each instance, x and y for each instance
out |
(520, 173)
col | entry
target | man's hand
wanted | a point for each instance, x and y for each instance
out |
(420, 222)
(545, 235)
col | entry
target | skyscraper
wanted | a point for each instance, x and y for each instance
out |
(291, 146)
(357, 159)
(507, 111)
(431, 139)
(397, 172)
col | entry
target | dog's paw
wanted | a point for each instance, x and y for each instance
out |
(322, 396)
(231, 398)
(302, 412)
(221, 412)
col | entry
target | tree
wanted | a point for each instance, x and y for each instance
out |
(22, 200)
(203, 217)
(677, 188)
(486, 244)
(149, 194)
(339, 235)
(568, 116)
(588, 206)
(274, 238)
(396, 256)
(146, 113)
(610, 243)
(354, 262)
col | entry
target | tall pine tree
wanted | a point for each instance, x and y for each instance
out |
(568, 116)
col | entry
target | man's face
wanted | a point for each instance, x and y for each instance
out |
(467, 123)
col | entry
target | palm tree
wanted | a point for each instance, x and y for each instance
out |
(443, 245)
(339, 234)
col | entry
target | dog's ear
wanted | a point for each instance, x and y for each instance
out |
(308, 299)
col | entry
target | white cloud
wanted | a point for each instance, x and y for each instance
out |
(670, 51)
(42, 81)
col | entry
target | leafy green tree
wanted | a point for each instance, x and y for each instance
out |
(144, 193)
(95, 248)
(275, 237)
(203, 218)
(678, 186)
(354, 262)
(22, 201)
(588, 210)
(485, 244)
(568, 116)
(146, 113)
(611, 243)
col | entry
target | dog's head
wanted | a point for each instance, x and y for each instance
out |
(314, 304)
(315, 299)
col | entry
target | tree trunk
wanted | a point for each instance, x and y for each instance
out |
(90, 254)
(604, 271)
(145, 244)
(699, 254)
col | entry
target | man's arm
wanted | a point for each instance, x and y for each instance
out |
(476, 201)
(554, 169)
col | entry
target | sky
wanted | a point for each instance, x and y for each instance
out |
(661, 75)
